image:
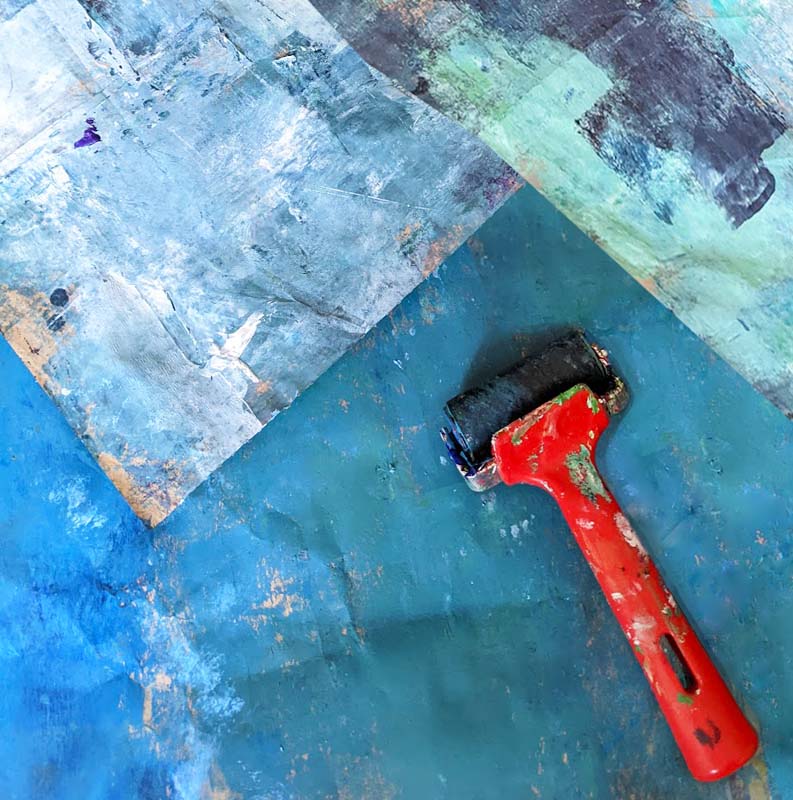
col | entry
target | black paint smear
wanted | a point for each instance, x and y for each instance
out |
(708, 739)
(675, 86)
(422, 85)
(60, 299)
(55, 322)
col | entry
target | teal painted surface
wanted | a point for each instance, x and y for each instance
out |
(334, 615)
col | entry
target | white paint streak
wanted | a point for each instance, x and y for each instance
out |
(228, 358)
(238, 341)
(287, 151)
(628, 534)
(642, 626)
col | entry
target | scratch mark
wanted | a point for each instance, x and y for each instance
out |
(330, 190)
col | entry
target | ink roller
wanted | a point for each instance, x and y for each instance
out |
(539, 424)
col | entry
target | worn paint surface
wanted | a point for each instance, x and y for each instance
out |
(203, 204)
(660, 128)
(334, 614)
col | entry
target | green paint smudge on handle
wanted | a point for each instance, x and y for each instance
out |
(584, 475)
(684, 698)
(520, 432)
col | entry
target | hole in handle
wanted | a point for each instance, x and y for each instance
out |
(683, 673)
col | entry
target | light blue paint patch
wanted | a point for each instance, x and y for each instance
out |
(10, 7)
(222, 200)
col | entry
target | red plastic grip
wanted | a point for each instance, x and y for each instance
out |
(553, 448)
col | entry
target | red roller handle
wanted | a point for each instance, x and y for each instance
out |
(553, 448)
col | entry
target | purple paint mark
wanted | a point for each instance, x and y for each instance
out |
(90, 135)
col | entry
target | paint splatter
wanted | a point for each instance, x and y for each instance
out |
(628, 534)
(90, 135)
(709, 739)
(59, 297)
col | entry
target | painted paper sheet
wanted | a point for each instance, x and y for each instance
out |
(660, 128)
(202, 205)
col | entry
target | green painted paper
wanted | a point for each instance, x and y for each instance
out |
(658, 128)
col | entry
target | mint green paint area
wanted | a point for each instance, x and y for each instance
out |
(731, 287)
(647, 204)
(685, 699)
(585, 476)
(592, 402)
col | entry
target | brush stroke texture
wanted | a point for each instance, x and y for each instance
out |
(203, 205)
(660, 128)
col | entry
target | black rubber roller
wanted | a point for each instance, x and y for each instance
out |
(477, 414)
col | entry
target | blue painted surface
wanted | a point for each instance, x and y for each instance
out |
(334, 615)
